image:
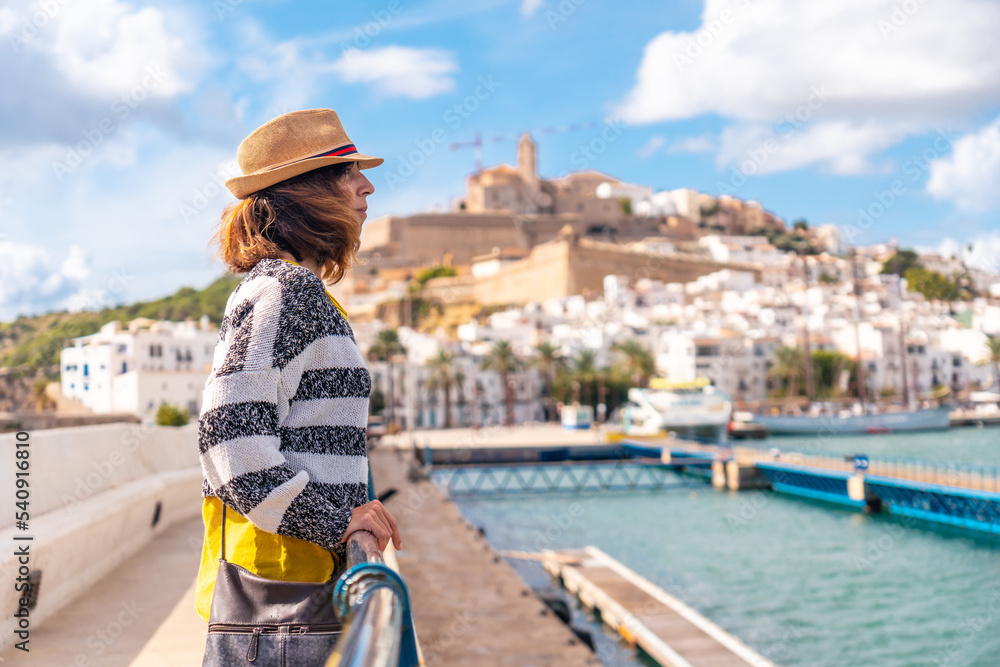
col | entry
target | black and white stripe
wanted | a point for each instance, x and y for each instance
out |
(282, 429)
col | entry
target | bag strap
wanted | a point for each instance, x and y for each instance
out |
(223, 556)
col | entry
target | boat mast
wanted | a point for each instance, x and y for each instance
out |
(902, 337)
(860, 366)
(805, 334)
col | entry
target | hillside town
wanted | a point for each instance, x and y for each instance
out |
(532, 293)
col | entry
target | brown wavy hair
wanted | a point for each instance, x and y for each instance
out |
(309, 216)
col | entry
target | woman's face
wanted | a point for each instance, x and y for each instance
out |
(358, 187)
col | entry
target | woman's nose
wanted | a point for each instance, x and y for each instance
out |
(366, 187)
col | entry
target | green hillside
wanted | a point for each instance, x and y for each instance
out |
(32, 344)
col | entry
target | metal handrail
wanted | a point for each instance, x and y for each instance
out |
(372, 601)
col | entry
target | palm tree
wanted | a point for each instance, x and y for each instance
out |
(993, 358)
(550, 362)
(585, 371)
(385, 347)
(788, 365)
(443, 376)
(638, 361)
(504, 361)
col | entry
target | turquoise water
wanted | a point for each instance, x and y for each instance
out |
(803, 583)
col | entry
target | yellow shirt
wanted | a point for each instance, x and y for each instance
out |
(278, 557)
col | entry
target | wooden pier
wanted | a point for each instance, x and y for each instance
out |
(669, 631)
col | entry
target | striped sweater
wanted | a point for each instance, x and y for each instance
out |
(285, 408)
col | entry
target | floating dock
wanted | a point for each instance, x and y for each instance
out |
(670, 632)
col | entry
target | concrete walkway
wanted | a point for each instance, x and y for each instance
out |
(469, 606)
(142, 615)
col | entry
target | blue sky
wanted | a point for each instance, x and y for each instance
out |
(122, 117)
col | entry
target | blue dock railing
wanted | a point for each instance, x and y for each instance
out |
(947, 473)
(965, 495)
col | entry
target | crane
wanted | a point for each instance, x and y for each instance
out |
(478, 141)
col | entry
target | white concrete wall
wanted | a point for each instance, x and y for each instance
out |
(94, 492)
(69, 465)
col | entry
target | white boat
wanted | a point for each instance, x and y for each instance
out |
(884, 422)
(694, 409)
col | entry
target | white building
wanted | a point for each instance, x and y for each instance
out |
(743, 250)
(658, 204)
(738, 365)
(136, 369)
(687, 202)
(636, 194)
(476, 398)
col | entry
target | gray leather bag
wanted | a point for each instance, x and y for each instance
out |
(268, 623)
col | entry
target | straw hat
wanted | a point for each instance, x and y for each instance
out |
(293, 144)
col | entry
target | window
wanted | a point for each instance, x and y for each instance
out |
(707, 351)
(124, 367)
(86, 370)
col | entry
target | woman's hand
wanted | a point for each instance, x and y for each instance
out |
(374, 518)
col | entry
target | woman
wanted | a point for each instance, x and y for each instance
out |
(285, 408)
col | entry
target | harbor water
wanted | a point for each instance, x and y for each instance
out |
(803, 583)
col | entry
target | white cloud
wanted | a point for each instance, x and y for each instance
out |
(529, 7)
(655, 143)
(842, 146)
(81, 63)
(175, 197)
(8, 19)
(31, 282)
(971, 174)
(399, 71)
(699, 144)
(107, 46)
(878, 68)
